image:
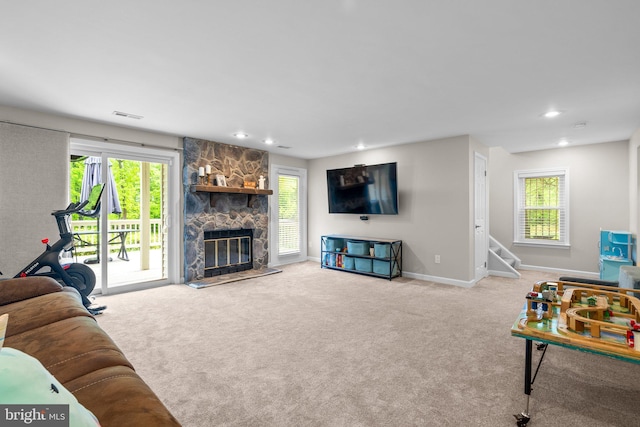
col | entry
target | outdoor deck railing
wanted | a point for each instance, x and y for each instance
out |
(132, 240)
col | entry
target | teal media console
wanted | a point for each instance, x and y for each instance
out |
(362, 255)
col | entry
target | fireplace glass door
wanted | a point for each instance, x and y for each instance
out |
(227, 251)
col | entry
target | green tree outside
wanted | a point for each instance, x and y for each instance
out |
(288, 214)
(542, 202)
(126, 174)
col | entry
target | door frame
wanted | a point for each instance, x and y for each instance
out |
(481, 246)
(274, 258)
(143, 154)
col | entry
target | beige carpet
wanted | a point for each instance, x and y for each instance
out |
(316, 347)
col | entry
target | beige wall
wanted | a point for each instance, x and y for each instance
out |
(634, 183)
(434, 203)
(277, 159)
(599, 198)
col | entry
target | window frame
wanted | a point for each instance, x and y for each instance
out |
(519, 177)
(275, 258)
(298, 237)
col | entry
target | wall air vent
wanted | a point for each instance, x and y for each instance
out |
(130, 116)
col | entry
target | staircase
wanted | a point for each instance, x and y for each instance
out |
(502, 262)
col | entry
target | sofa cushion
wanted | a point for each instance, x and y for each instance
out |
(70, 348)
(36, 312)
(124, 398)
(19, 289)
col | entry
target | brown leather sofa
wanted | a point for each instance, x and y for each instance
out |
(50, 323)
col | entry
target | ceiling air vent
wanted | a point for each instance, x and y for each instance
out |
(130, 116)
(284, 147)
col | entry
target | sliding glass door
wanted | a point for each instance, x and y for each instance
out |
(128, 243)
(136, 235)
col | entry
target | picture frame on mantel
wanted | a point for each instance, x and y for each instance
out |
(221, 181)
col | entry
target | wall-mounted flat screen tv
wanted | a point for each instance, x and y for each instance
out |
(364, 189)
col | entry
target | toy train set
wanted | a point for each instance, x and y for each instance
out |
(601, 317)
(594, 318)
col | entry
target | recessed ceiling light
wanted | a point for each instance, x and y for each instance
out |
(360, 146)
(563, 143)
(268, 141)
(241, 135)
(551, 114)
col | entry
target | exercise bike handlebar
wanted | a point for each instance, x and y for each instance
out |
(71, 209)
(62, 217)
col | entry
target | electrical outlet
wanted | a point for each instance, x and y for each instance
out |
(437, 260)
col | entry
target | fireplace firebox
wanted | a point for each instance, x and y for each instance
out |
(227, 251)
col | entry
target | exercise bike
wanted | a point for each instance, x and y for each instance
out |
(75, 275)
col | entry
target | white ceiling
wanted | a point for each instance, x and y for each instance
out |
(321, 76)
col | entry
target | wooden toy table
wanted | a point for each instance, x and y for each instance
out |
(564, 322)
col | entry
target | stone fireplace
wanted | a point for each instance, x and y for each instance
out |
(223, 213)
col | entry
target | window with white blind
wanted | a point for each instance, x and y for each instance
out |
(542, 207)
(288, 214)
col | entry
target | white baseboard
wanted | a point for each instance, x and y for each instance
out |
(561, 271)
(470, 283)
(426, 278)
(506, 274)
(437, 279)
(289, 261)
